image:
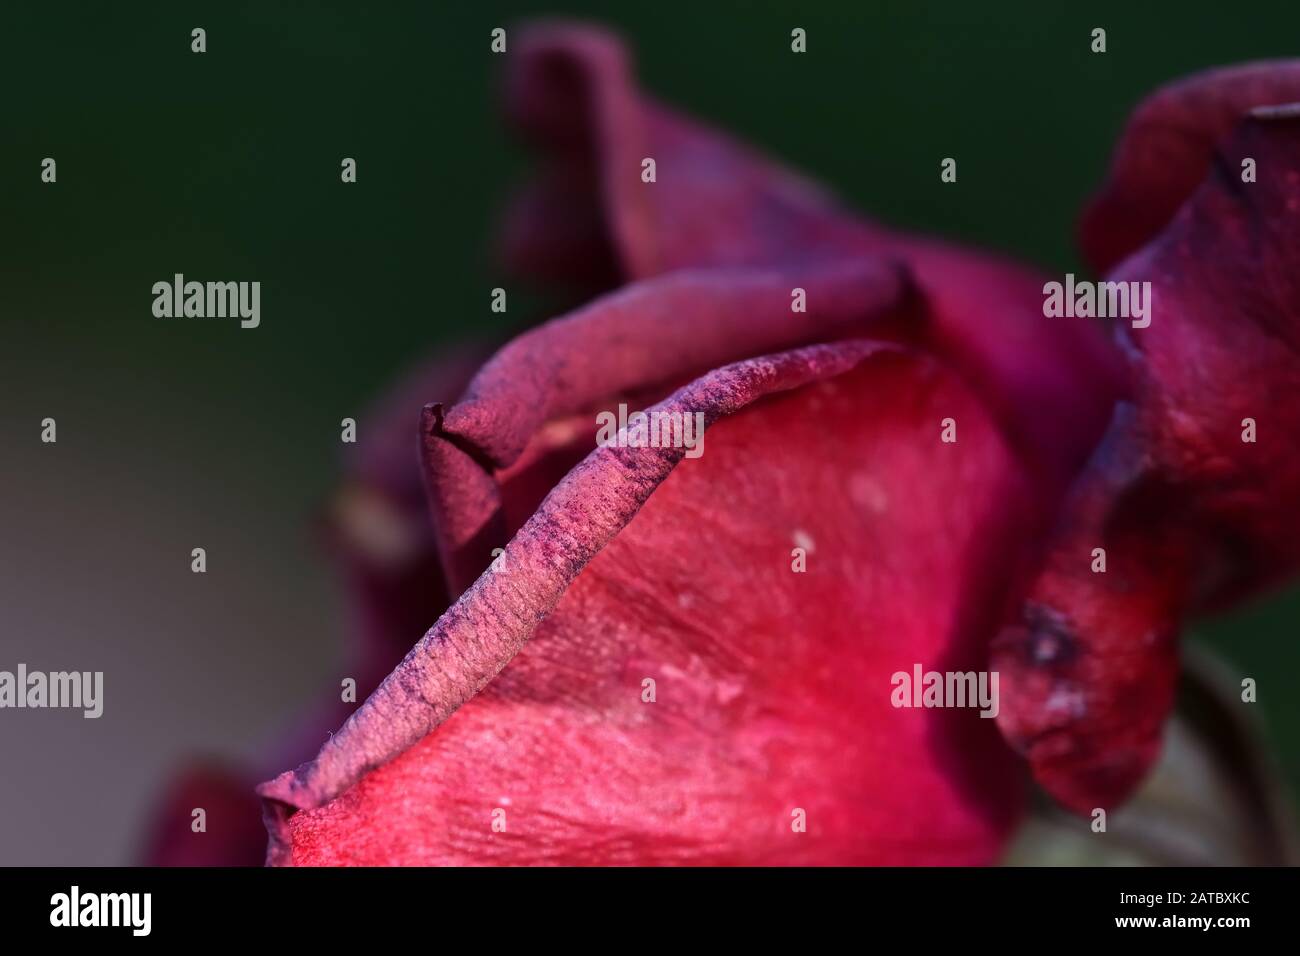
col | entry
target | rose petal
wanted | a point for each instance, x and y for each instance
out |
(1215, 797)
(651, 334)
(717, 203)
(1052, 383)
(773, 688)
(1188, 512)
(569, 90)
(1165, 152)
(386, 548)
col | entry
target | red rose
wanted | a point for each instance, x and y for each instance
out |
(651, 657)
(762, 595)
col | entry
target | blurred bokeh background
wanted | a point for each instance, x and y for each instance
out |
(180, 434)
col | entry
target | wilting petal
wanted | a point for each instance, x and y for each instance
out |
(569, 90)
(650, 336)
(1189, 513)
(717, 203)
(1166, 150)
(772, 687)
(1215, 797)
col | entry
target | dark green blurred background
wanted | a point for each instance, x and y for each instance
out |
(177, 434)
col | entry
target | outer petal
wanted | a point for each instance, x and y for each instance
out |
(379, 531)
(772, 687)
(717, 203)
(1166, 150)
(1189, 513)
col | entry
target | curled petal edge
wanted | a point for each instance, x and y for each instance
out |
(486, 627)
